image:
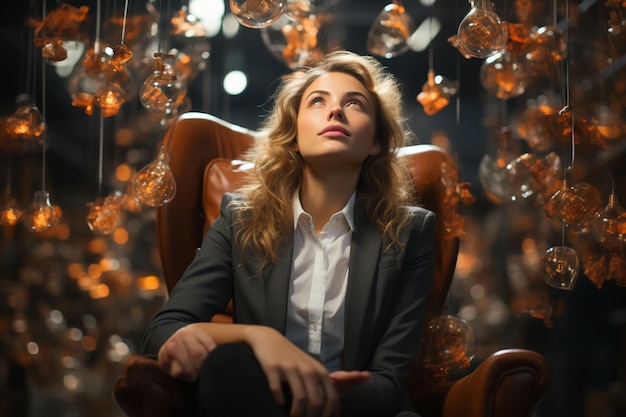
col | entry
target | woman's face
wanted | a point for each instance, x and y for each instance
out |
(336, 121)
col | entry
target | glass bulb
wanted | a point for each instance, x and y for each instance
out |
(493, 176)
(104, 216)
(40, 216)
(301, 37)
(91, 75)
(121, 55)
(154, 184)
(530, 176)
(436, 93)
(450, 344)
(110, 99)
(299, 9)
(547, 47)
(560, 267)
(10, 212)
(481, 32)
(257, 14)
(26, 122)
(389, 34)
(609, 224)
(503, 75)
(575, 206)
(187, 25)
(163, 92)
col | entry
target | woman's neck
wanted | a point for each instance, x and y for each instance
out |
(324, 194)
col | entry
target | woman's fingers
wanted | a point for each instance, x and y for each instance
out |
(181, 356)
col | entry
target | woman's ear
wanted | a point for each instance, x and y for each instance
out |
(294, 145)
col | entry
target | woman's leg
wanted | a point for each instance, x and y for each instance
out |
(232, 383)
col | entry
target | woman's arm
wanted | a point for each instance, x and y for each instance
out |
(204, 289)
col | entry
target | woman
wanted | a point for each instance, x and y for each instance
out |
(327, 264)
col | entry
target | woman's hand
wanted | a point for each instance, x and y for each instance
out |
(181, 355)
(346, 380)
(313, 393)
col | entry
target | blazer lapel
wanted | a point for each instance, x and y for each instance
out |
(364, 253)
(276, 279)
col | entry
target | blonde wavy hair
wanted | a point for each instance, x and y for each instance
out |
(266, 212)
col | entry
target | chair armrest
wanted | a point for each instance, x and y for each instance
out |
(143, 389)
(508, 383)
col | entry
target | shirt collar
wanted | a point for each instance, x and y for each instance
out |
(347, 211)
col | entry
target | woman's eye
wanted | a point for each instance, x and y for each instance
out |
(354, 103)
(317, 100)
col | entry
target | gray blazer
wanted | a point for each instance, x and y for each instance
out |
(384, 309)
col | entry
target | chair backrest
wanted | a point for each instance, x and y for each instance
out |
(202, 148)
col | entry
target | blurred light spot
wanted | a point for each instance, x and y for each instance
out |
(235, 82)
(123, 172)
(424, 34)
(230, 26)
(99, 291)
(88, 343)
(477, 291)
(33, 348)
(150, 282)
(468, 313)
(210, 12)
(120, 236)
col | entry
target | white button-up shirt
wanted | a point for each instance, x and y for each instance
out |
(319, 279)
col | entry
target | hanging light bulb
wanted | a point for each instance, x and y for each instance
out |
(609, 224)
(301, 42)
(257, 14)
(504, 75)
(560, 267)
(436, 93)
(163, 92)
(389, 34)
(547, 47)
(10, 212)
(40, 216)
(26, 122)
(110, 99)
(481, 33)
(450, 345)
(106, 215)
(154, 184)
(529, 176)
(492, 171)
(575, 206)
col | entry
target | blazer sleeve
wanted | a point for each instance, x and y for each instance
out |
(395, 349)
(204, 289)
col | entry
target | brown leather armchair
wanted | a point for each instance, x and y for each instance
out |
(507, 384)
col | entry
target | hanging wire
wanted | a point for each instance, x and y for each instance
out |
(96, 49)
(43, 114)
(8, 186)
(568, 106)
(431, 47)
(124, 21)
(101, 154)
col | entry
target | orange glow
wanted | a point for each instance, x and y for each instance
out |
(99, 291)
(97, 245)
(120, 236)
(75, 270)
(94, 271)
(149, 282)
(88, 343)
(123, 172)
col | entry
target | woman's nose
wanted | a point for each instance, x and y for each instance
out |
(335, 113)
